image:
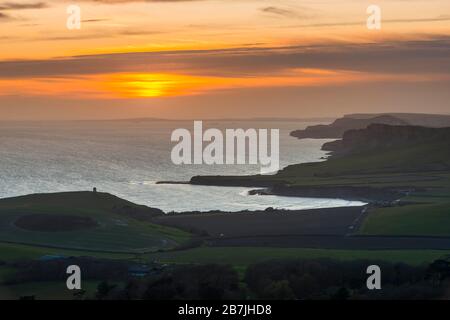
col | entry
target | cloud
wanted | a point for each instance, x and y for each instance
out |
(22, 6)
(95, 35)
(440, 18)
(94, 20)
(426, 56)
(287, 13)
(12, 6)
(128, 1)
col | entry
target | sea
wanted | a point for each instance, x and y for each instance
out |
(127, 157)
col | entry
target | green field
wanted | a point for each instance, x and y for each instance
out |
(242, 257)
(429, 219)
(239, 256)
(116, 232)
(12, 252)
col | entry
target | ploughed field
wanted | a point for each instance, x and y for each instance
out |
(333, 221)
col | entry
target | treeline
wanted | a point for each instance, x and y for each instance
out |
(320, 279)
(302, 279)
(203, 282)
(330, 279)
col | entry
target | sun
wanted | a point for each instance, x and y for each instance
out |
(151, 85)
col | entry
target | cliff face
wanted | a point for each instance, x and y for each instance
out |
(340, 126)
(381, 136)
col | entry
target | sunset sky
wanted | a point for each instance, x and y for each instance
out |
(222, 58)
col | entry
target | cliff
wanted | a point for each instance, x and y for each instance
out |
(337, 129)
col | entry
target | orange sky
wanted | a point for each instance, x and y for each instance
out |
(202, 58)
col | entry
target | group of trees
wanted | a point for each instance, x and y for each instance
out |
(287, 280)
(204, 282)
(330, 279)
(277, 279)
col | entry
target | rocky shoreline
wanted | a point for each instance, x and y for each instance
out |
(371, 195)
(365, 194)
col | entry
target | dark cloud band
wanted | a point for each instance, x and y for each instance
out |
(427, 56)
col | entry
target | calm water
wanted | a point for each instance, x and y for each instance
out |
(125, 158)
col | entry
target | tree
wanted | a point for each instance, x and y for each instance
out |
(278, 290)
(103, 290)
(341, 294)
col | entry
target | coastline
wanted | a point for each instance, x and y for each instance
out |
(372, 195)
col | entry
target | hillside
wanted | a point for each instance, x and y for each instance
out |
(380, 136)
(84, 220)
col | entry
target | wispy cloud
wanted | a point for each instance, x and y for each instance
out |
(4, 16)
(440, 18)
(13, 6)
(94, 20)
(22, 6)
(128, 1)
(284, 12)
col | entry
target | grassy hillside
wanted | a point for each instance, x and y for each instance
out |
(394, 162)
(121, 225)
